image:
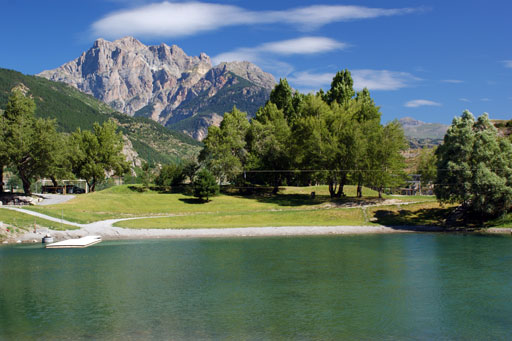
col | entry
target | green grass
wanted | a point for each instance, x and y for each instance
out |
(123, 202)
(26, 221)
(323, 217)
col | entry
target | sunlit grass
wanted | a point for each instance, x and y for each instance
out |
(26, 221)
(325, 217)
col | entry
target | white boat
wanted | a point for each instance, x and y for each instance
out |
(75, 243)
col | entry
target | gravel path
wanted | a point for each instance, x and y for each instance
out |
(106, 229)
(53, 199)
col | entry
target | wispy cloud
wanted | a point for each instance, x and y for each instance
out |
(382, 79)
(421, 102)
(175, 19)
(464, 100)
(304, 45)
(507, 63)
(371, 79)
(452, 81)
(485, 99)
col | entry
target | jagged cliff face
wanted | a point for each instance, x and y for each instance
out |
(163, 83)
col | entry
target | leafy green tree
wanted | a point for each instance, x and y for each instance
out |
(426, 166)
(146, 174)
(4, 156)
(205, 185)
(170, 175)
(282, 97)
(96, 153)
(31, 144)
(386, 160)
(342, 88)
(475, 167)
(225, 152)
(269, 143)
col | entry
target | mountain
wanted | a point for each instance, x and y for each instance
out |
(72, 109)
(164, 83)
(421, 134)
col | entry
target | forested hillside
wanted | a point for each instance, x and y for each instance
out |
(73, 109)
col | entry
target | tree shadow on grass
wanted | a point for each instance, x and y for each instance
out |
(192, 201)
(425, 219)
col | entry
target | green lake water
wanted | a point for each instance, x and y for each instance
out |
(385, 287)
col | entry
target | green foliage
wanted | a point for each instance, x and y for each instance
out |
(170, 175)
(282, 97)
(475, 167)
(205, 185)
(96, 152)
(225, 150)
(30, 144)
(427, 166)
(302, 139)
(268, 143)
(342, 88)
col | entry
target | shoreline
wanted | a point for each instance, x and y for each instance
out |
(107, 231)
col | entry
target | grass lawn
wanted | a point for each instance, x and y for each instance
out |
(292, 206)
(25, 221)
(308, 217)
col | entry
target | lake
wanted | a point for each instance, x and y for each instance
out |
(394, 286)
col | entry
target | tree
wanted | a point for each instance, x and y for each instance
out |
(170, 175)
(224, 151)
(269, 142)
(386, 161)
(426, 166)
(205, 185)
(282, 96)
(94, 153)
(342, 88)
(30, 144)
(4, 156)
(475, 167)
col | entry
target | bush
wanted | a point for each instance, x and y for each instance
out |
(170, 175)
(205, 185)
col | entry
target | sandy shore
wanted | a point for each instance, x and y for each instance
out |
(106, 229)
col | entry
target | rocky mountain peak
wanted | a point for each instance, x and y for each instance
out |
(156, 81)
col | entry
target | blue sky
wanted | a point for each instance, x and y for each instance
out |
(426, 59)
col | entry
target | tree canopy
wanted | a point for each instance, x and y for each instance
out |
(474, 167)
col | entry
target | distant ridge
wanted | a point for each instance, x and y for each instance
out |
(164, 83)
(421, 130)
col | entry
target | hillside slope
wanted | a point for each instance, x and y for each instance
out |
(73, 109)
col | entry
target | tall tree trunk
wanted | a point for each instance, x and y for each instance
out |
(332, 187)
(277, 183)
(1, 178)
(26, 183)
(343, 179)
(54, 181)
(360, 186)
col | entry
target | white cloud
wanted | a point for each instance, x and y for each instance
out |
(464, 100)
(508, 63)
(382, 79)
(304, 45)
(421, 102)
(174, 19)
(485, 99)
(452, 81)
(371, 79)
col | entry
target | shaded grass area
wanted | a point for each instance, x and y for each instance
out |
(131, 201)
(331, 217)
(420, 214)
(26, 221)
(501, 222)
